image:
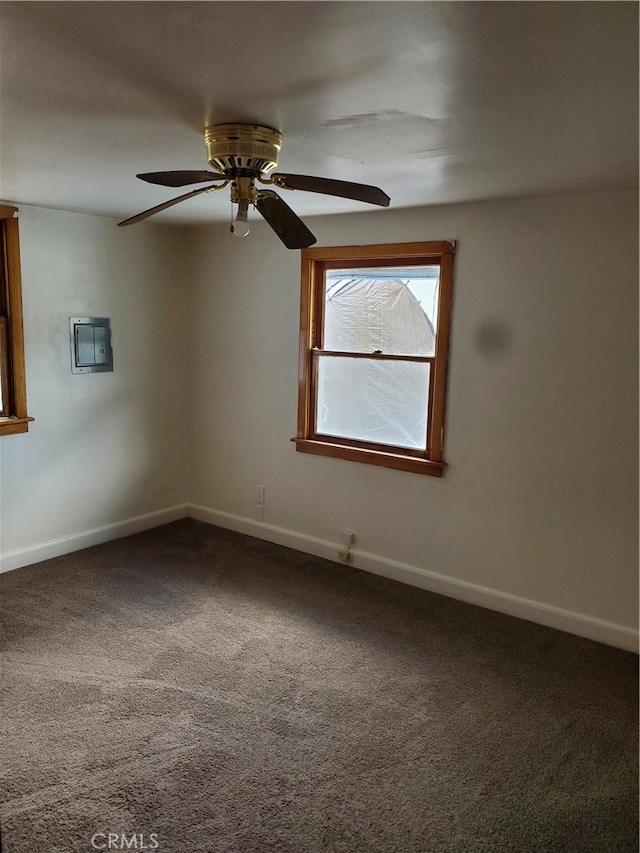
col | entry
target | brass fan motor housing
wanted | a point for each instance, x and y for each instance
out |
(244, 148)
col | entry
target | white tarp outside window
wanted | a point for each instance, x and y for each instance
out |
(375, 400)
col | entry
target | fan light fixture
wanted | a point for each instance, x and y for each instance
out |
(240, 225)
(244, 154)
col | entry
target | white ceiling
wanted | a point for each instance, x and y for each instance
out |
(432, 101)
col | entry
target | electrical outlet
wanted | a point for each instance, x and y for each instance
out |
(259, 495)
(347, 539)
(344, 556)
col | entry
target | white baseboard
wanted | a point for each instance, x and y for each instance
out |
(534, 611)
(513, 605)
(76, 541)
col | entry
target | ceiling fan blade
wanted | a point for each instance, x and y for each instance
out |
(162, 206)
(328, 186)
(284, 221)
(180, 179)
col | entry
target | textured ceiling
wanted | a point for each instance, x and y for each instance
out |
(434, 102)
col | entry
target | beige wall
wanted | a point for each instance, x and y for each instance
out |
(108, 447)
(539, 500)
(537, 512)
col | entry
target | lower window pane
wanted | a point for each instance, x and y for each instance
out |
(377, 401)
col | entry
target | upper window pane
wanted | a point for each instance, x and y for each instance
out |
(393, 310)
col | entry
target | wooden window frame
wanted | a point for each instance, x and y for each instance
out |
(315, 263)
(13, 405)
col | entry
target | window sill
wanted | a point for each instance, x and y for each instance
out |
(372, 457)
(11, 426)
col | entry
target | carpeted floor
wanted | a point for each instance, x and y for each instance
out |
(207, 692)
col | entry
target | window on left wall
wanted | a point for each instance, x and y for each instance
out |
(13, 385)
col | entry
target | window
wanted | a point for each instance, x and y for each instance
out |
(13, 391)
(374, 336)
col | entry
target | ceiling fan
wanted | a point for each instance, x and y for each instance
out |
(244, 154)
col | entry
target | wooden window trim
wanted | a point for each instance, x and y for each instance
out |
(315, 262)
(15, 418)
(5, 382)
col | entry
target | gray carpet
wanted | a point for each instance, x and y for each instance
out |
(207, 692)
